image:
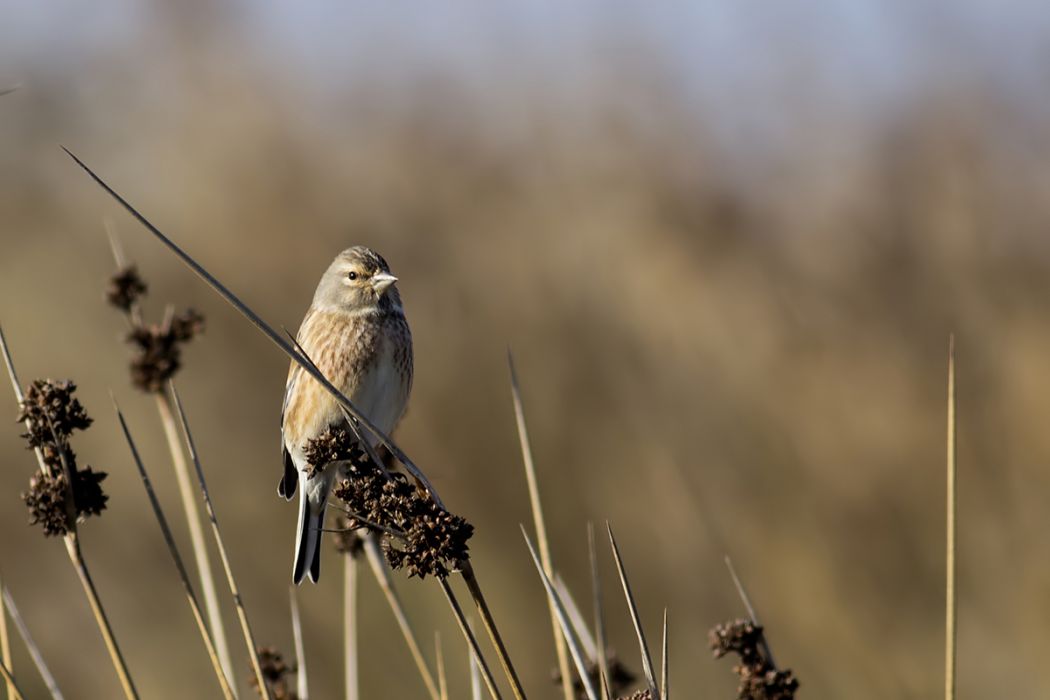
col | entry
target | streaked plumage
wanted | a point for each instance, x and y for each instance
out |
(355, 332)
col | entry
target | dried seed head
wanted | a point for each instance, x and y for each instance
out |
(275, 671)
(639, 695)
(53, 412)
(46, 501)
(429, 539)
(759, 679)
(159, 349)
(125, 288)
(335, 444)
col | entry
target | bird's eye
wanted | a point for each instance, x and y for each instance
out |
(351, 275)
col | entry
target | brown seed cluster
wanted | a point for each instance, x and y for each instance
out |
(159, 349)
(125, 288)
(417, 534)
(639, 695)
(620, 677)
(53, 414)
(759, 678)
(276, 672)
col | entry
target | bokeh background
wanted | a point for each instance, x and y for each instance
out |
(727, 244)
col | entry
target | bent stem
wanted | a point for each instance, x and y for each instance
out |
(242, 614)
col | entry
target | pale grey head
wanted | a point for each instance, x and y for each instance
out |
(358, 279)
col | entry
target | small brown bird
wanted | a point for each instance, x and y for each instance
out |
(356, 333)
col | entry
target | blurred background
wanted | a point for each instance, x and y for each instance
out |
(727, 244)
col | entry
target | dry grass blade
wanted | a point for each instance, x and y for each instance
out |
(383, 578)
(475, 672)
(350, 627)
(541, 526)
(266, 329)
(193, 520)
(224, 680)
(951, 609)
(76, 556)
(15, 691)
(440, 658)
(5, 641)
(302, 688)
(471, 579)
(599, 614)
(579, 626)
(665, 664)
(746, 600)
(242, 614)
(34, 650)
(472, 641)
(563, 620)
(647, 658)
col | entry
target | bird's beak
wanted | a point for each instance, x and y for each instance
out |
(382, 281)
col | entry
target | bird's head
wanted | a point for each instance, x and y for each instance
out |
(358, 279)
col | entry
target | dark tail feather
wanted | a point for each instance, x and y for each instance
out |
(308, 536)
(286, 486)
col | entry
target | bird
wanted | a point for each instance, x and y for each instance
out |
(356, 334)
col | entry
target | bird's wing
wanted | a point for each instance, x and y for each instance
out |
(290, 478)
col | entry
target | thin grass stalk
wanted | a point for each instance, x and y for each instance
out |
(200, 547)
(467, 572)
(386, 584)
(563, 621)
(440, 660)
(31, 647)
(746, 599)
(951, 609)
(182, 478)
(302, 688)
(541, 527)
(472, 641)
(475, 672)
(599, 614)
(350, 585)
(76, 556)
(5, 643)
(242, 613)
(590, 647)
(647, 657)
(224, 680)
(665, 664)
(9, 679)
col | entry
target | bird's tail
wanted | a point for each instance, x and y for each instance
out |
(313, 499)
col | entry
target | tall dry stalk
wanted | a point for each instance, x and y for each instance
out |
(31, 647)
(5, 642)
(541, 527)
(76, 556)
(951, 609)
(224, 680)
(242, 613)
(350, 581)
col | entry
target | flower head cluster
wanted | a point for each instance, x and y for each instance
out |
(759, 678)
(275, 671)
(51, 414)
(418, 534)
(158, 348)
(125, 288)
